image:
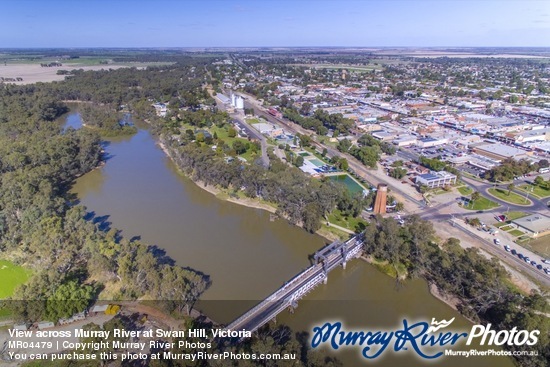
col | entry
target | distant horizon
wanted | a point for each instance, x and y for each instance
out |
(451, 48)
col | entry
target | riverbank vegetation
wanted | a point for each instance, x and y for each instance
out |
(299, 198)
(481, 285)
(43, 228)
(106, 120)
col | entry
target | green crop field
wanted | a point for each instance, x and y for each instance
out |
(12, 275)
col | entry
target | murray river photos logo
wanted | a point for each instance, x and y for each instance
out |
(427, 340)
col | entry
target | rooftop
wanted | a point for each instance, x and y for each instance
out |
(536, 223)
(501, 149)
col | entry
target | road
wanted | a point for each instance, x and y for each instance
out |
(353, 163)
(501, 253)
(482, 187)
(250, 131)
(432, 214)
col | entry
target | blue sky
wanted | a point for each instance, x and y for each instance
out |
(247, 23)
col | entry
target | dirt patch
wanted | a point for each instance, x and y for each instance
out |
(33, 73)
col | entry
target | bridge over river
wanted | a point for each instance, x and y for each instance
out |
(288, 295)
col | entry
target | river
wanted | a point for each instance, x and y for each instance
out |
(247, 256)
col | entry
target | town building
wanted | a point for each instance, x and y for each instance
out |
(535, 225)
(436, 179)
(499, 151)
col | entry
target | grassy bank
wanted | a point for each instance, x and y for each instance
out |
(12, 275)
(509, 197)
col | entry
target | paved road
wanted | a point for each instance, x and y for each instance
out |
(433, 213)
(482, 187)
(354, 164)
(500, 252)
(249, 130)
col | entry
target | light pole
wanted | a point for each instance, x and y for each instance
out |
(530, 188)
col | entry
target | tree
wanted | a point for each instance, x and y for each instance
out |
(510, 187)
(231, 132)
(311, 217)
(543, 163)
(305, 140)
(239, 147)
(299, 161)
(306, 108)
(475, 222)
(399, 207)
(68, 299)
(539, 181)
(344, 145)
(324, 153)
(474, 197)
(398, 173)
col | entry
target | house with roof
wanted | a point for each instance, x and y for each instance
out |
(536, 225)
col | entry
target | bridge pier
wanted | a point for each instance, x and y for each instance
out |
(344, 265)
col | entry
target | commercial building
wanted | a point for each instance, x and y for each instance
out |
(535, 225)
(436, 179)
(431, 142)
(500, 151)
(406, 140)
(535, 135)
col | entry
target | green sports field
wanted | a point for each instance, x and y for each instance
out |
(12, 275)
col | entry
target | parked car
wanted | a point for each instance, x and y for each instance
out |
(546, 261)
(507, 248)
(539, 266)
(514, 252)
(497, 241)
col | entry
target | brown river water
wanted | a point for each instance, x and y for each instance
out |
(247, 256)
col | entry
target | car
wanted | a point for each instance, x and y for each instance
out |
(507, 248)
(479, 211)
(547, 270)
(533, 263)
(545, 261)
(526, 258)
(497, 241)
(539, 266)
(514, 252)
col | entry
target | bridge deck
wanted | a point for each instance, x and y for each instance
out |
(288, 294)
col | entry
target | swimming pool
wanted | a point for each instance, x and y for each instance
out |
(317, 162)
(350, 183)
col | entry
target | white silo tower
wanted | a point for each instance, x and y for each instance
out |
(239, 102)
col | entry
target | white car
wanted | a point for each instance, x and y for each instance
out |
(545, 261)
(507, 248)
(497, 241)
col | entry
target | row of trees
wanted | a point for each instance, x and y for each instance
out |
(481, 284)
(321, 121)
(106, 119)
(42, 228)
(510, 168)
(300, 198)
